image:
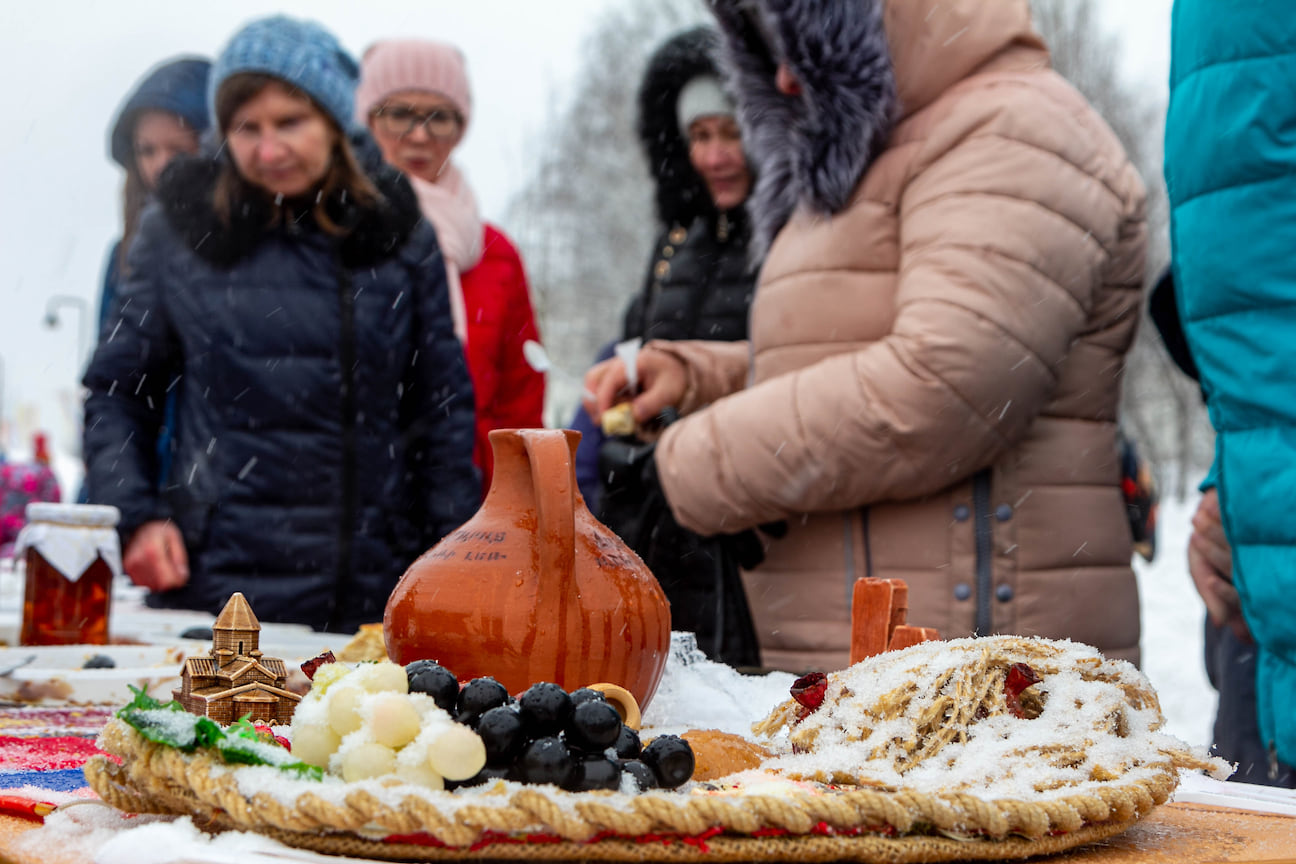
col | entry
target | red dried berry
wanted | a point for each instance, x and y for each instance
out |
(266, 734)
(311, 665)
(1020, 676)
(808, 690)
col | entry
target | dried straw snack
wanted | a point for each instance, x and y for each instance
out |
(927, 757)
(997, 717)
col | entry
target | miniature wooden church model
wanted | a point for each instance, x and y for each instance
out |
(234, 680)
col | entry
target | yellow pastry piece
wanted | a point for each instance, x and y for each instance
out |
(618, 420)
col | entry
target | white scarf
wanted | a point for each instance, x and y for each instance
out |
(451, 207)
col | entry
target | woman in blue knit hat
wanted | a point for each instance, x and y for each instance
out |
(284, 289)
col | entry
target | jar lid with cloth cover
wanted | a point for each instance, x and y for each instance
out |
(71, 536)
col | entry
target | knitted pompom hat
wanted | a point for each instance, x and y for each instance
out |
(302, 53)
(394, 65)
(703, 96)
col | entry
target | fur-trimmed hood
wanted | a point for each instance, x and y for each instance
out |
(680, 194)
(185, 192)
(862, 66)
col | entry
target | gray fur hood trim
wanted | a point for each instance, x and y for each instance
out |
(809, 150)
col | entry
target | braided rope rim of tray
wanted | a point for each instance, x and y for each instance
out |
(154, 778)
(818, 849)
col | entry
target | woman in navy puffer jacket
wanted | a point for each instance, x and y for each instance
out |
(288, 297)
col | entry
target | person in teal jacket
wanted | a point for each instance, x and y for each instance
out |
(1230, 166)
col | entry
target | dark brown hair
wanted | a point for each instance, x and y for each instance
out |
(134, 196)
(344, 180)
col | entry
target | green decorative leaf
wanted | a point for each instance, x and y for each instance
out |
(170, 724)
(244, 728)
(208, 732)
(173, 728)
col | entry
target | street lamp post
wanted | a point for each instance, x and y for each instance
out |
(52, 320)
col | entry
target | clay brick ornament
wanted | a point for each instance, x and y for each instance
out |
(879, 608)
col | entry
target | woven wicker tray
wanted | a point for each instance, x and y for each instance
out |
(512, 822)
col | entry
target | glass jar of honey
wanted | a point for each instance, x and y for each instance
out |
(72, 555)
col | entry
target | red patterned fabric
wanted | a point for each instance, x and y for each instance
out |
(45, 754)
(497, 304)
(33, 721)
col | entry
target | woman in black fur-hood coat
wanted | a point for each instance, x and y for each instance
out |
(699, 282)
(324, 414)
(699, 285)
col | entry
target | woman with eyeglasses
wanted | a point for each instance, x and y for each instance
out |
(287, 290)
(415, 99)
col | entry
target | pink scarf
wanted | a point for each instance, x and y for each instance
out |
(451, 207)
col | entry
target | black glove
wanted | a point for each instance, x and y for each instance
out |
(623, 463)
(627, 469)
(633, 498)
(748, 547)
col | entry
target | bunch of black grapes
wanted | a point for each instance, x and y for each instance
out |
(573, 740)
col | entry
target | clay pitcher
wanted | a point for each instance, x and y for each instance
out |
(533, 587)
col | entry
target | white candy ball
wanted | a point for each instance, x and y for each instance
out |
(454, 751)
(382, 677)
(314, 743)
(343, 705)
(420, 775)
(367, 760)
(392, 720)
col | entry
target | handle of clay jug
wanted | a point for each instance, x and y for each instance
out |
(551, 478)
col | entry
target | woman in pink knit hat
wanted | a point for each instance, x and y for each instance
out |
(414, 97)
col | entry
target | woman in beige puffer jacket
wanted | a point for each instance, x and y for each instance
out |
(938, 336)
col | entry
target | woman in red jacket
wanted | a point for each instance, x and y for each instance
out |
(413, 95)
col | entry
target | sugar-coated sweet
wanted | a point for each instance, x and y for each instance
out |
(381, 677)
(454, 751)
(344, 708)
(365, 760)
(364, 723)
(314, 743)
(392, 719)
(375, 720)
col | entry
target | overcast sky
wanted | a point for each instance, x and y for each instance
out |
(67, 64)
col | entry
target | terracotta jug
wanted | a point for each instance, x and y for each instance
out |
(533, 587)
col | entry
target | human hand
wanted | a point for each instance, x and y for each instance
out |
(156, 558)
(1210, 563)
(662, 379)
